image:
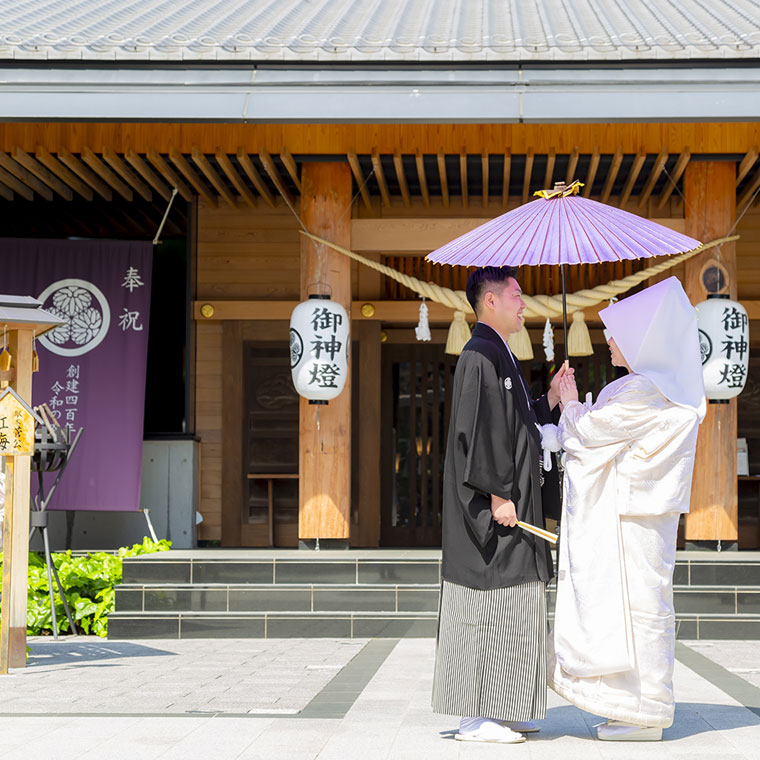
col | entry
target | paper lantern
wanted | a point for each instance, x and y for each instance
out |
(724, 345)
(319, 340)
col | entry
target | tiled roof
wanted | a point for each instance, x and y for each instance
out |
(379, 30)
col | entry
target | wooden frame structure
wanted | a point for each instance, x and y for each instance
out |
(405, 188)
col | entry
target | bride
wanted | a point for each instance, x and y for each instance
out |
(629, 463)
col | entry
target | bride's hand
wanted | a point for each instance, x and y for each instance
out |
(568, 391)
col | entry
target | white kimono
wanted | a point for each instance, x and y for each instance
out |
(629, 463)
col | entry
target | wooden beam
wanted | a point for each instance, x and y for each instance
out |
(443, 177)
(680, 166)
(633, 175)
(116, 163)
(43, 174)
(385, 311)
(380, 177)
(528, 173)
(361, 182)
(256, 179)
(274, 175)
(142, 168)
(747, 163)
(20, 173)
(710, 192)
(169, 174)
(485, 177)
(398, 164)
(105, 173)
(407, 235)
(224, 161)
(506, 179)
(85, 174)
(423, 179)
(291, 166)
(324, 500)
(367, 532)
(463, 177)
(189, 173)
(591, 174)
(617, 159)
(572, 164)
(12, 184)
(6, 192)
(213, 176)
(752, 185)
(65, 175)
(654, 175)
(549, 176)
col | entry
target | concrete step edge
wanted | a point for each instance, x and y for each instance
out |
(172, 614)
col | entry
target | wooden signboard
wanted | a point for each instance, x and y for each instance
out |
(17, 423)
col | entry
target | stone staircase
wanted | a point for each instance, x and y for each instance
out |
(382, 593)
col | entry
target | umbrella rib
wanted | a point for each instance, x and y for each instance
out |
(581, 222)
(617, 234)
(572, 230)
(523, 223)
(645, 229)
(606, 232)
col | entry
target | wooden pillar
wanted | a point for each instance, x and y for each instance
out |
(710, 208)
(324, 504)
(16, 540)
(367, 532)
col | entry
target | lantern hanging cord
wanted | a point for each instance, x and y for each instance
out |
(544, 306)
(346, 211)
(688, 206)
(305, 230)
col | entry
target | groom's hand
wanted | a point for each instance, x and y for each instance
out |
(503, 511)
(553, 396)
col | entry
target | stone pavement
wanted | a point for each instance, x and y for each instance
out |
(319, 699)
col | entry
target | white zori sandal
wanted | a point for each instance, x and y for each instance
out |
(485, 730)
(617, 731)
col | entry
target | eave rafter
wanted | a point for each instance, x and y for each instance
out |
(493, 181)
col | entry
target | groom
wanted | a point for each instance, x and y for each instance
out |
(490, 656)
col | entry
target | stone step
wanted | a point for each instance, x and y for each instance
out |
(378, 567)
(274, 625)
(249, 597)
(213, 625)
(252, 597)
(163, 568)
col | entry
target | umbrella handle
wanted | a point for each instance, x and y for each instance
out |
(564, 312)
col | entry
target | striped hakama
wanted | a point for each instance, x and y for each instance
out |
(491, 652)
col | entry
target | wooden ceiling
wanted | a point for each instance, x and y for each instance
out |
(144, 180)
(253, 178)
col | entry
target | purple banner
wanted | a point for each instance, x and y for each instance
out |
(92, 370)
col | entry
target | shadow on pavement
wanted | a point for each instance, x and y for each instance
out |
(75, 651)
(710, 717)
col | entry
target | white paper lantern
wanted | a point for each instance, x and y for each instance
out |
(724, 343)
(319, 340)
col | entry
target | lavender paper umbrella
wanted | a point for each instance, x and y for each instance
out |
(561, 227)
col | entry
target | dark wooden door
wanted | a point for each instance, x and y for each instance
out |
(270, 447)
(415, 412)
(416, 402)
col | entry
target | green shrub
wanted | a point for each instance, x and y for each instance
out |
(89, 582)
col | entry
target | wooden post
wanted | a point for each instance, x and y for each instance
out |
(367, 532)
(16, 531)
(325, 451)
(710, 207)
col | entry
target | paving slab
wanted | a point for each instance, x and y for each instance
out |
(326, 700)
